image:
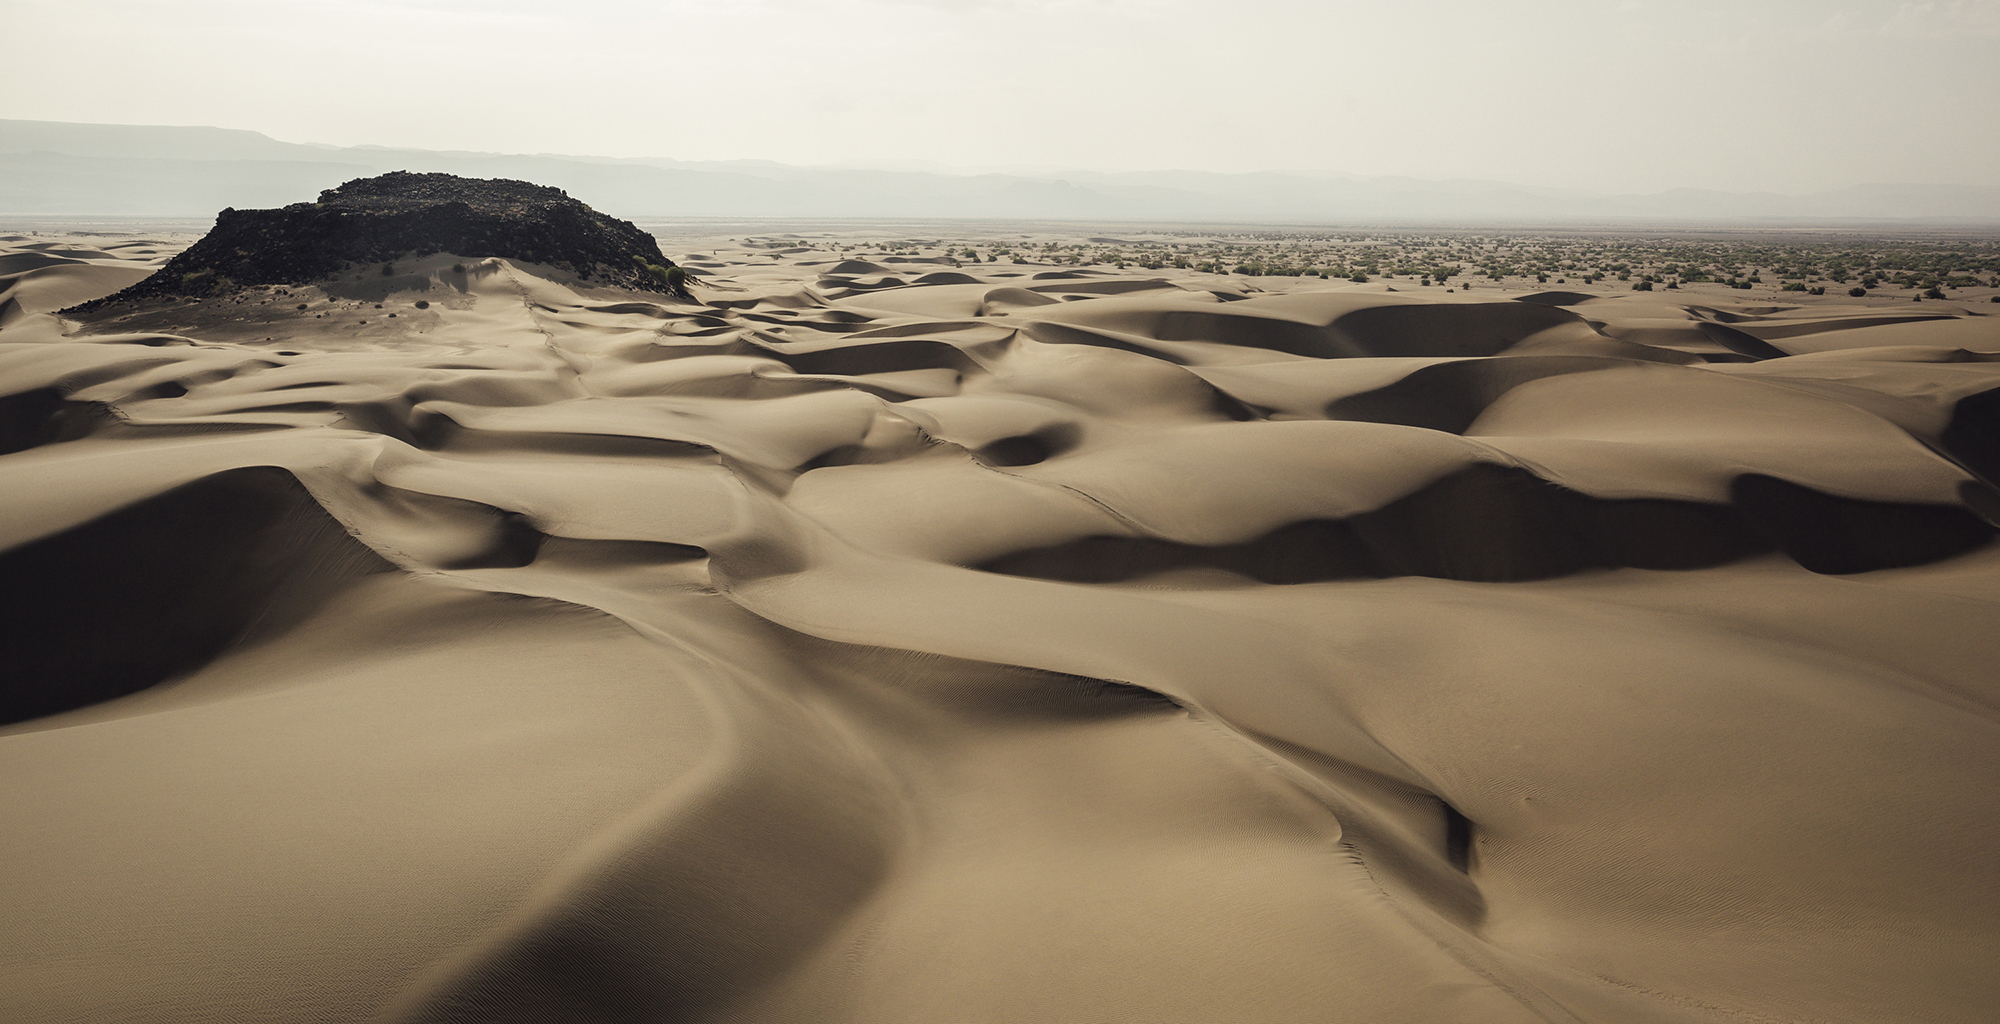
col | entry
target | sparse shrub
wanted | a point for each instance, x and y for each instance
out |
(458, 268)
(676, 278)
(1934, 292)
(1794, 287)
(1642, 286)
(1856, 292)
(388, 270)
(1816, 290)
(1359, 278)
(423, 304)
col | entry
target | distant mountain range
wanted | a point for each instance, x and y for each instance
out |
(51, 168)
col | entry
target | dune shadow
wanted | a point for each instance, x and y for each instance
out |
(1501, 524)
(161, 586)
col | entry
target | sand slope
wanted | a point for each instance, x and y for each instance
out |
(909, 642)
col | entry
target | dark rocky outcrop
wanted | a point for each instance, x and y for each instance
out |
(374, 221)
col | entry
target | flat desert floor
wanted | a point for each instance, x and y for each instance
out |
(886, 638)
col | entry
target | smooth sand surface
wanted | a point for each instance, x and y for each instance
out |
(887, 640)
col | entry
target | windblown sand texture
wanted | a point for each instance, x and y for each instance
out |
(891, 641)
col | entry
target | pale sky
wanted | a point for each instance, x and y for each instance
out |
(1631, 96)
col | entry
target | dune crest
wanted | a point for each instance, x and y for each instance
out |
(879, 638)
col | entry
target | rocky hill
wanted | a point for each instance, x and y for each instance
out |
(399, 215)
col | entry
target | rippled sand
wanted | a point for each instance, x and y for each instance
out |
(907, 642)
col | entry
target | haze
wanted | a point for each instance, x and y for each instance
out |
(1623, 97)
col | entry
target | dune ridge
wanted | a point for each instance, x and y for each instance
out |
(884, 639)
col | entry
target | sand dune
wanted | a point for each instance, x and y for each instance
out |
(882, 639)
(42, 276)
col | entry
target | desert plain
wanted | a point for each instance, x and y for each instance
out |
(986, 625)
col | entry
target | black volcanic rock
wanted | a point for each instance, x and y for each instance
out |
(399, 215)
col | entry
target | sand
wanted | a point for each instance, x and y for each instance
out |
(884, 639)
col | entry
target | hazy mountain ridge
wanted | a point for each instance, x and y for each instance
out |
(59, 168)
